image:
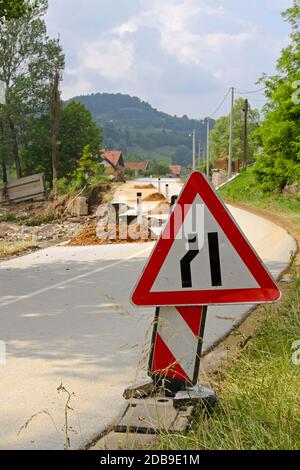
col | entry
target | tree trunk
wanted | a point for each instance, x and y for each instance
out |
(15, 148)
(4, 170)
(3, 162)
(55, 123)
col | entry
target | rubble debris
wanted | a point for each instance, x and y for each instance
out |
(161, 208)
(155, 197)
(145, 186)
(134, 233)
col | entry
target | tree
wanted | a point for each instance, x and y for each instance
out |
(159, 168)
(87, 167)
(182, 156)
(55, 108)
(219, 136)
(13, 9)
(36, 151)
(27, 59)
(279, 134)
(77, 130)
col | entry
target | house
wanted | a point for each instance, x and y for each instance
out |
(175, 170)
(137, 167)
(113, 162)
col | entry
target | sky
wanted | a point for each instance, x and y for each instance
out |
(181, 56)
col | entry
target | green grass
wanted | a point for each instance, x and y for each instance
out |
(8, 217)
(245, 189)
(260, 398)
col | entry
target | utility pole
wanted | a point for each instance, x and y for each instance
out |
(55, 108)
(231, 135)
(207, 146)
(246, 111)
(199, 154)
(2, 103)
(194, 150)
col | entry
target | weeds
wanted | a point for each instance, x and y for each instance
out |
(67, 408)
(15, 248)
(8, 217)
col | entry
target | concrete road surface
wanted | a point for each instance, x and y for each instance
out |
(65, 318)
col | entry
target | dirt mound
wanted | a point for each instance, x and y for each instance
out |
(88, 236)
(161, 208)
(94, 195)
(144, 186)
(155, 197)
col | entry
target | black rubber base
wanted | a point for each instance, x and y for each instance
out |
(199, 394)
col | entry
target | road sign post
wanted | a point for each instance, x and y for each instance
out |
(174, 362)
(202, 258)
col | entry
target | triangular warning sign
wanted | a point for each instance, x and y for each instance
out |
(202, 257)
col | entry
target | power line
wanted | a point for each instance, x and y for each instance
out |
(221, 104)
(247, 92)
(259, 101)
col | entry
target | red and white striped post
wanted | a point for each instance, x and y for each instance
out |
(176, 347)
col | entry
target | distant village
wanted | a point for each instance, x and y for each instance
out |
(114, 163)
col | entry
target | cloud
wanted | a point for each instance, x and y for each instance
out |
(111, 58)
(177, 54)
(124, 28)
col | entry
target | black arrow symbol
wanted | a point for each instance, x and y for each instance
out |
(214, 259)
(185, 263)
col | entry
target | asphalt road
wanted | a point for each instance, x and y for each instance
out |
(65, 318)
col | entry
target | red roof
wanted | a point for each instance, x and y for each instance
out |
(113, 157)
(140, 166)
(175, 169)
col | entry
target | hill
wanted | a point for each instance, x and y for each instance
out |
(141, 131)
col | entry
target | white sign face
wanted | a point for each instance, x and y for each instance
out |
(232, 271)
(2, 93)
(202, 257)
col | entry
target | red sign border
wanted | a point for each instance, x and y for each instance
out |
(268, 291)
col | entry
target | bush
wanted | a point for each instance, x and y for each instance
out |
(274, 173)
(159, 169)
(88, 172)
(87, 168)
(129, 173)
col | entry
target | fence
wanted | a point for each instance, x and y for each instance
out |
(23, 189)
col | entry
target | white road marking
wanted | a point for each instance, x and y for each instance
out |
(73, 279)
